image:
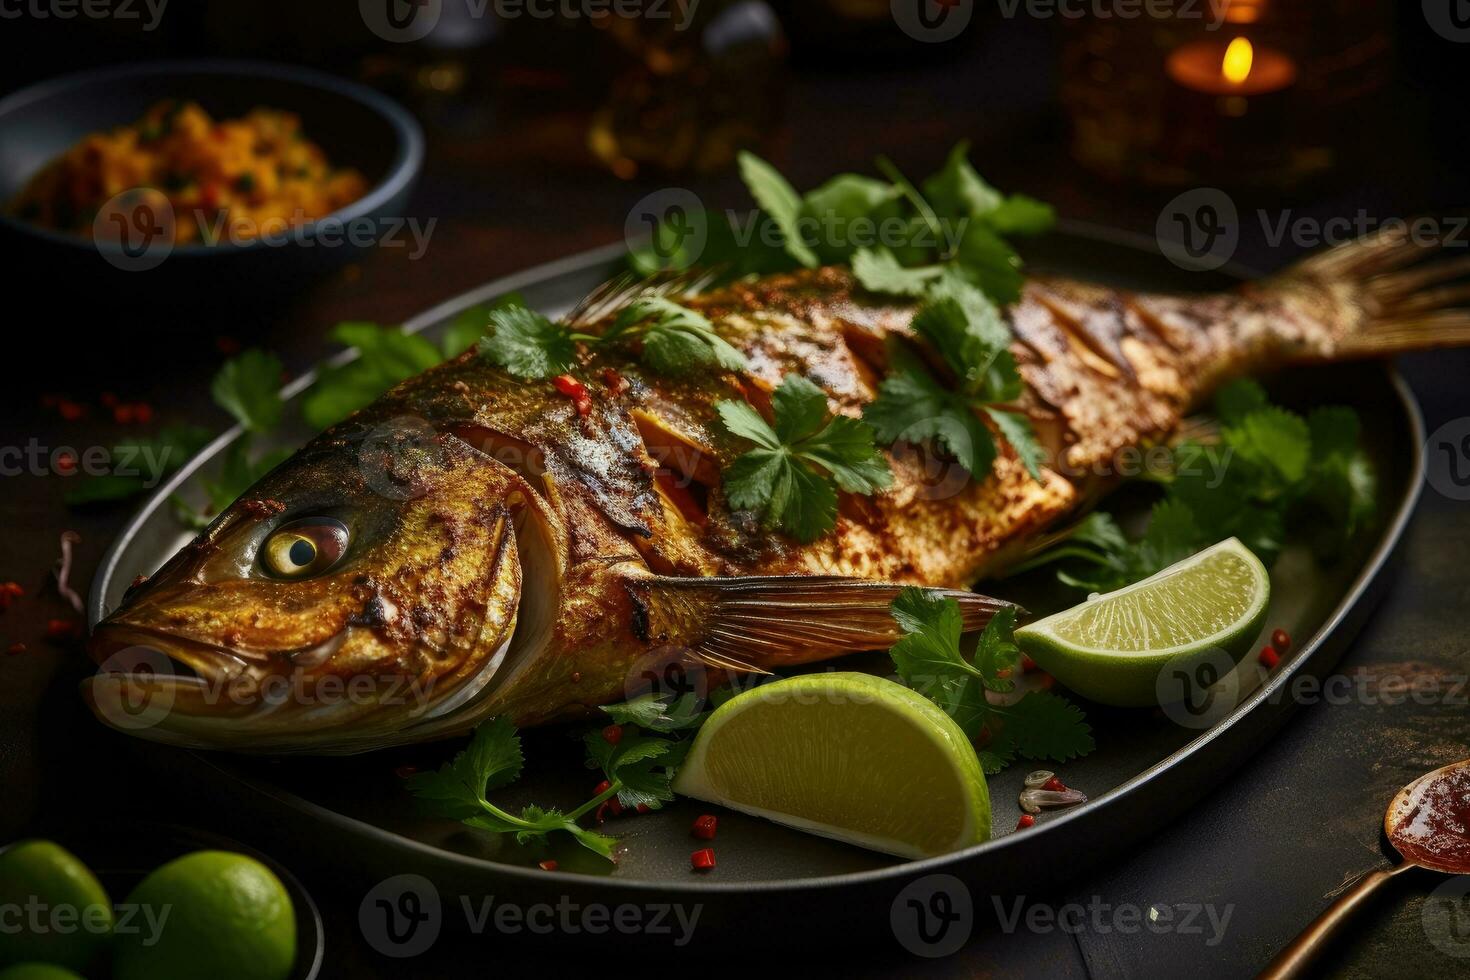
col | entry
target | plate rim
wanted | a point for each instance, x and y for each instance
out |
(1373, 564)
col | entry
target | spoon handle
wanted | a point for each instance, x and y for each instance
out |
(1304, 949)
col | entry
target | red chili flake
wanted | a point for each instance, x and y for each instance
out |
(108, 399)
(602, 787)
(548, 865)
(142, 413)
(66, 464)
(1027, 820)
(1268, 657)
(615, 383)
(9, 592)
(63, 629)
(1003, 673)
(1281, 640)
(403, 772)
(123, 414)
(1027, 664)
(702, 859)
(1054, 784)
(614, 806)
(612, 734)
(70, 410)
(576, 391)
(705, 826)
(644, 808)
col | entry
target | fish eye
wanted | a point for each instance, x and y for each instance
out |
(306, 547)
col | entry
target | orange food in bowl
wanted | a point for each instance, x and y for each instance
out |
(228, 180)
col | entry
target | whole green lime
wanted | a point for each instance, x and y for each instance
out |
(37, 971)
(208, 914)
(62, 911)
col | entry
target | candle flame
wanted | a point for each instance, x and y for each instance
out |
(1238, 60)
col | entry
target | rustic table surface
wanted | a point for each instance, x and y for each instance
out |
(1255, 861)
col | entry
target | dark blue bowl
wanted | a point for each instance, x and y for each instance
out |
(354, 125)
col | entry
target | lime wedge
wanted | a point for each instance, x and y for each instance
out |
(848, 756)
(1112, 647)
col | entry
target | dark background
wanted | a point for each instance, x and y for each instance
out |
(1271, 843)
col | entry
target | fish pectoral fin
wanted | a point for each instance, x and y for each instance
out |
(753, 623)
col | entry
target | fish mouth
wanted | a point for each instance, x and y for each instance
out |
(180, 689)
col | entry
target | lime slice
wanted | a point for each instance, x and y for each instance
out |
(847, 756)
(1112, 647)
(229, 918)
(64, 916)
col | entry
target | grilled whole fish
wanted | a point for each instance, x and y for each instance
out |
(470, 546)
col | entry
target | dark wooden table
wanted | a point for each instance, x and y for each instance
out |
(1263, 853)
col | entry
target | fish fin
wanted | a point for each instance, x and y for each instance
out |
(750, 624)
(1410, 297)
(610, 298)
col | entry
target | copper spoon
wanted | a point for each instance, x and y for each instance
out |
(1426, 824)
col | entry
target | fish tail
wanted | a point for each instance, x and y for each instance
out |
(1395, 292)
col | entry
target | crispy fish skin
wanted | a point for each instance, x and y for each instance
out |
(626, 558)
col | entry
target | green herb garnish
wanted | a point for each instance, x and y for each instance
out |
(930, 660)
(965, 329)
(494, 760)
(674, 340)
(792, 475)
(1271, 469)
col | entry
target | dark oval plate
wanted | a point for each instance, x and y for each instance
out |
(776, 885)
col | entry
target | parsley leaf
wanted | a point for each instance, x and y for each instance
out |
(966, 331)
(1270, 470)
(789, 476)
(676, 339)
(492, 760)
(929, 659)
(779, 199)
(527, 344)
(385, 356)
(878, 270)
(248, 386)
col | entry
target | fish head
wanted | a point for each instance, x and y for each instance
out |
(365, 592)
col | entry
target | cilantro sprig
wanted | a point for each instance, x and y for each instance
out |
(1270, 469)
(671, 339)
(459, 791)
(930, 660)
(965, 329)
(793, 473)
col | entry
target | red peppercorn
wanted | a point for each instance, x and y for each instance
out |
(142, 413)
(1055, 785)
(1281, 640)
(66, 464)
(705, 826)
(576, 391)
(612, 734)
(548, 865)
(1027, 820)
(9, 592)
(615, 383)
(703, 859)
(1268, 657)
(123, 414)
(63, 629)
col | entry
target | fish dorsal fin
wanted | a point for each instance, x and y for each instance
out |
(610, 298)
(757, 623)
